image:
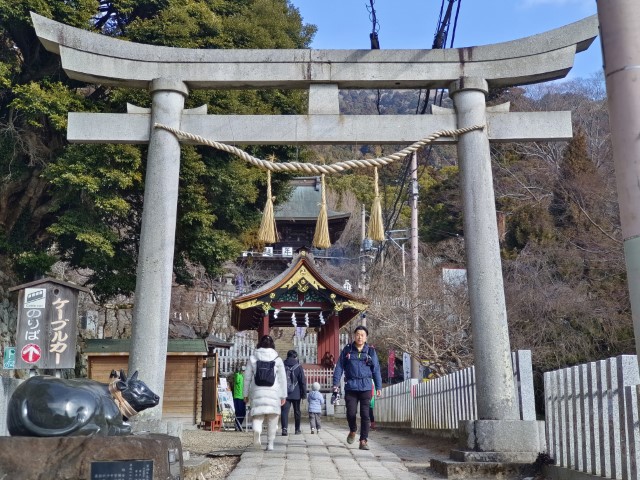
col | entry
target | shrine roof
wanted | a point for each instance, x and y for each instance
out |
(300, 289)
(304, 202)
(179, 346)
(50, 280)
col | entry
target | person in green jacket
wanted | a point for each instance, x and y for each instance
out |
(238, 397)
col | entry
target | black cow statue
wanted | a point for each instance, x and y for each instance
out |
(44, 406)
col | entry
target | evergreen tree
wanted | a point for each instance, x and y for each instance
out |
(82, 203)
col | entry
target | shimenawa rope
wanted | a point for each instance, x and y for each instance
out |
(311, 168)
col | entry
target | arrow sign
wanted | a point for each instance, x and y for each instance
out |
(30, 353)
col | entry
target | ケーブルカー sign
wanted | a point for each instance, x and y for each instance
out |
(47, 324)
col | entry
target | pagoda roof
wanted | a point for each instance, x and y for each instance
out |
(300, 294)
(304, 202)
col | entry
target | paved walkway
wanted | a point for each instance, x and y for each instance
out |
(327, 455)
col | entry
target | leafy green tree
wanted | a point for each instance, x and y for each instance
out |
(441, 213)
(82, 203)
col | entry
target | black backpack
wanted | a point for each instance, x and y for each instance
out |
(265, 375)
(292, 380)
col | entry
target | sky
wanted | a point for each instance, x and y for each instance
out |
(409, 24)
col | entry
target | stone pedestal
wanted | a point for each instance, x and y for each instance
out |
(142, 426)
(504, 436)
(505, 448)
(7, 387)
(58, 458)
(329, 407)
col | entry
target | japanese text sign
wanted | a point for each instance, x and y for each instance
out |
(47, 326)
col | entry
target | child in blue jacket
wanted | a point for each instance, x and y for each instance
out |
(316, 400)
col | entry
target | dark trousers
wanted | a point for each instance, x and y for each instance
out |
(241, 411)
(351, 399)
(284, 417)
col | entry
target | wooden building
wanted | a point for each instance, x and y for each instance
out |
(183, 378)
(296, 220)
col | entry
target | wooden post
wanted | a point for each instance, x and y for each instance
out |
(322, 344)
(333, 336)
(264, 326)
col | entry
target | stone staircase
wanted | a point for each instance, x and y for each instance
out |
(283, 339)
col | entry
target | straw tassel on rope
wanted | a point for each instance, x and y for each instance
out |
(267, 232)
(376, 227)
(321, 237)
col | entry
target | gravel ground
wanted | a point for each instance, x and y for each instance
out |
(227, 446)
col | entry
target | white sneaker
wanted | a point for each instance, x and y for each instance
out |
(256, 438)
(313, 430)
(270, 446)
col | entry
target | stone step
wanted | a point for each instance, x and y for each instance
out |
(195, 468)
(283, 340)
(458, 470)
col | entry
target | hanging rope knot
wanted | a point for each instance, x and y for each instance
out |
(376, 223)
(268, 232)
(321, 236)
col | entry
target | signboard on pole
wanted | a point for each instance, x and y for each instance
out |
(9, 359)
(47, 324)
(406, 365)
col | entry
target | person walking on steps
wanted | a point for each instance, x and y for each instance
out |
(296, 389)
(359, 363)
(237, 390)
(265, 389)
(315, 401)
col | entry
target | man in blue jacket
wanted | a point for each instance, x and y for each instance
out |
(360, 365)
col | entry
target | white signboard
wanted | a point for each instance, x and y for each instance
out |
(35, 297)
(406, 365)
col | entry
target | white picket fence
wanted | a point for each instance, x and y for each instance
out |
(441, 403)
(307, 347)
(396, 406)
(243, 346)
(324, 376)
(592, 417)
(231, 358)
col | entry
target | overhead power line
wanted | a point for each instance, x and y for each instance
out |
(375, 26)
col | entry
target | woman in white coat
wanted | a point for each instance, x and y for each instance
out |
(265, 401)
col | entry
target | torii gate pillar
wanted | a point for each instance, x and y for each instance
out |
(498, 428)
(157, 240)
(492, 358)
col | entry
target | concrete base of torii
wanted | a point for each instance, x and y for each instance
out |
(494, 447)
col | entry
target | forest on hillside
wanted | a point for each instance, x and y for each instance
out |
(80, 205)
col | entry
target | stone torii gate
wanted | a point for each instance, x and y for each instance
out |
(170, 73)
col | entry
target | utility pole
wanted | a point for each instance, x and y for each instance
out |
(415, 364)
(363, 267)
(620, 35)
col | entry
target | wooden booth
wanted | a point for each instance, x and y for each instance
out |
(300, 297)
(183, 376)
